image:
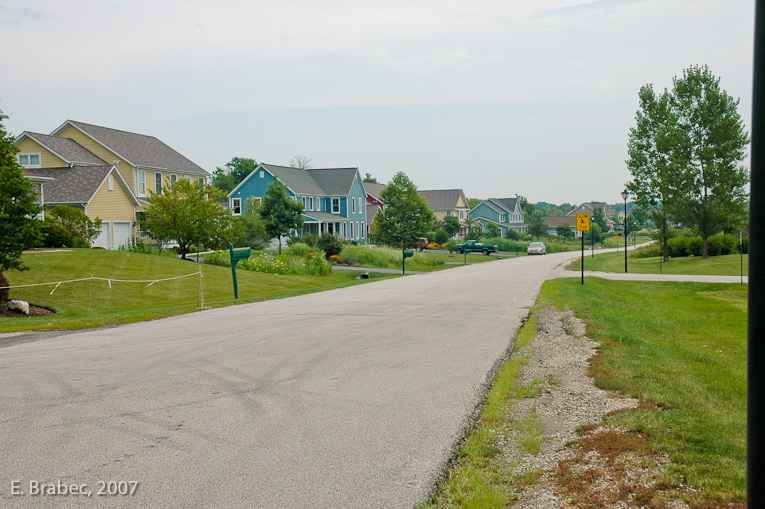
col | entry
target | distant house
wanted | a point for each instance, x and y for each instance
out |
(553, 222)
(333, 199)
(448, 202)
(504, 212)
(591, 207)
(374, 203)
(108, 173)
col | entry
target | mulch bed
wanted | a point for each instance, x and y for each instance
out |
(33, 311)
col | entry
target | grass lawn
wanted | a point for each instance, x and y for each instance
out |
(725, 265)
(680, 348)
(132, 302)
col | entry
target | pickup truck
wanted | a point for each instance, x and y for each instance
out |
(419, 244)
(471, 246)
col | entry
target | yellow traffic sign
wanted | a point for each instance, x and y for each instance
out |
(582, 222)
(618, 238)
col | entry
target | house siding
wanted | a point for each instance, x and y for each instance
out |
(47, 158)
(125, 169)
(254, 187)
(112, 205)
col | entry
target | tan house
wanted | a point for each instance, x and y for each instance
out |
(108, 172)
(448, 202)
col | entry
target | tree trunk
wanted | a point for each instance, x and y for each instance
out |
(705, 247)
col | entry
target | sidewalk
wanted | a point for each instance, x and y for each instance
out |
(620, 276)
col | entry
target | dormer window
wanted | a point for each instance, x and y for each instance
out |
(29, 160)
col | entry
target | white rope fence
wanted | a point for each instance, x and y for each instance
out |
(200, 296)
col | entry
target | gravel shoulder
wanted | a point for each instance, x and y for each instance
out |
(569, 470)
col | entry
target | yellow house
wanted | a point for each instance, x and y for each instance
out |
(108, 173)
(448, 202)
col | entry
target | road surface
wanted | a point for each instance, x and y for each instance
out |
(347, 398)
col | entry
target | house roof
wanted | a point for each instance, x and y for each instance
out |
(137, 149)
(374, 189)
(372, 211)
(506, 203)
(77, 184)
(68, 150)
(322, 181)
(555, 221)
(324, 217)
(442, 199)
(35, 177)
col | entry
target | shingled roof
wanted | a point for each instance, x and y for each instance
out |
(321, 181)
(374, 189)
(68, 150)
(77, 184)
(506, 203)
(442, 199)
(138, 149)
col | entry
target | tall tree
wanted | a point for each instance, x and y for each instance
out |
(712, 140)
(536, 222)
(599, 218)
(653, 161)
(235, 171)
(451, 225)
(18, 206)
(528, 208)
(184, 214)
(406, 215)
(281, 214)
(369, 178)
(301, 163)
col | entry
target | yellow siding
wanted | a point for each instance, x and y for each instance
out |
(111, 205)
(107, 155)
(47, 158)
(462, 202)
(440, 214)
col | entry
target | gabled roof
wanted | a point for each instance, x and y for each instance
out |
(317, 182)
(374, 189)
(507, 204)
(78, 184)
(442, 199)
(68, 150)
(137, 149)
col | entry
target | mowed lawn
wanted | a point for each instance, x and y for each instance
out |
(131, 302)
(725, 265)
(681, 349)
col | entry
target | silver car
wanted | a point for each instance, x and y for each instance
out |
(537, 248)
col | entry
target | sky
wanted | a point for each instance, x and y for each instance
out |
(498, 98)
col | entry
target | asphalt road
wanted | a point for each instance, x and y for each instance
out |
(347, 398)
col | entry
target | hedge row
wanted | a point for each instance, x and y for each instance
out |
(692, 246)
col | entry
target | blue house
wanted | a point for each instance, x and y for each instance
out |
(333, 199)
(504, 212)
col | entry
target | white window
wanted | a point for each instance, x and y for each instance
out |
(351, 227)
(503, 218)
(173, 178)
(236, 206)
(29, 160)
(158, 183)
(363, 229)
(462, 214)
(357, 230)
(310, 203)
(187, 177)
(303, 200)
(110, 182)
(318, 204)
(141, 182)
(262, 174)
(353, 205)
(335, 205)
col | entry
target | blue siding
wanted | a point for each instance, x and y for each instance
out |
(255, 187)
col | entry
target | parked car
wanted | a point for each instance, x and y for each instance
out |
(419, 244)
(471, 246)
(537, 248)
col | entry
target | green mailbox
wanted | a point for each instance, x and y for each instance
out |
(236, 255)
(406, 254)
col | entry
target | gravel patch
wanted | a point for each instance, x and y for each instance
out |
(568, 401)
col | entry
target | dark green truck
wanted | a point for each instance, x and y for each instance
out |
(471, 246)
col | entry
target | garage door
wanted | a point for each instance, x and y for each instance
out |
(121, 233)
(104, 239)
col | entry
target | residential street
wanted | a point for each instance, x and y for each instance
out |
(347, 398)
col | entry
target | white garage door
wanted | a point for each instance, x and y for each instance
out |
(121, 233)
(104, 240)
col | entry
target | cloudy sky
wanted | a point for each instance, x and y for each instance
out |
(531, 97)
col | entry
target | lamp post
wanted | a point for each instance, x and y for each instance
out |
(624, 195)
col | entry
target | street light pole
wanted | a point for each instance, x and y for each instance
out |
(624, 195)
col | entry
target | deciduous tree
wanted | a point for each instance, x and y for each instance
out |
(184, 214)
(281, 214)
(451, 225)
(406, 215)
(235, 171)
(76, 222)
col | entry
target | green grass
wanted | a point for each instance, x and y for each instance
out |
(681, 347)
(132, 302)
(725, 265)
(479, 479)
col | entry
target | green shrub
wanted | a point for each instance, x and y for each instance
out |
(722, 245)
(330, 244)
(442, 236)
(651, 250)
(348, 260)
(451, 246)
(220, 258)
(300, 249)
(137, 246)
(310, 239)
(54, 235)
(512, 235)
(317, 265)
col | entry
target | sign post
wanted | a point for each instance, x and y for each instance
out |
(582, 225)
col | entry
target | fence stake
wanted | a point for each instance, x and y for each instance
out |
(90, 310)
(200, 298)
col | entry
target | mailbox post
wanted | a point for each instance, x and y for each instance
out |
(404, 255)
(236, 255)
